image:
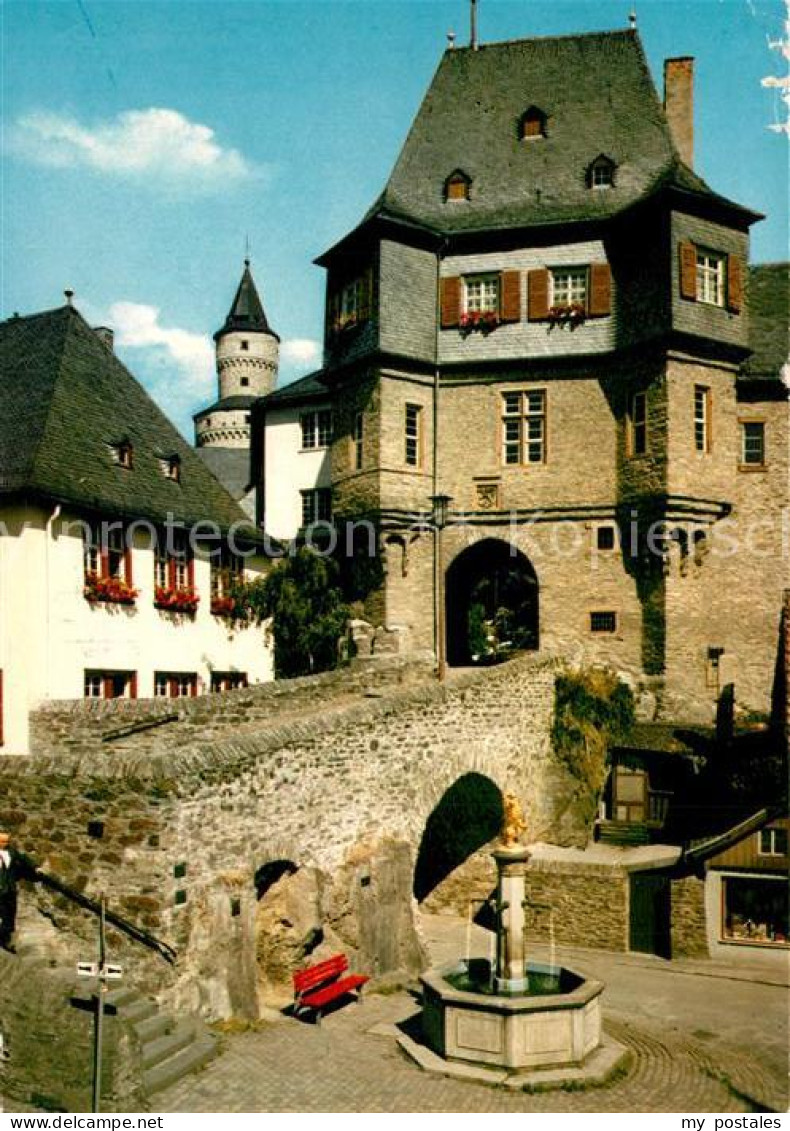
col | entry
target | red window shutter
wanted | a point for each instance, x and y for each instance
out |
(133, 685)
(600, 300)
(511, 296)
(734, 283)
(191, 571)
(688, 271)
(451, 301)
(104, 561)
(127, 565)
(538, 294)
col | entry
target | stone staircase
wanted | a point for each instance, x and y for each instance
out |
(170, 1047)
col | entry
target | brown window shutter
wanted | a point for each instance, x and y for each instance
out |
(538, 294)
(600, 300)
(451, 300)
(688, 271)
(734, 283)
(511, 296)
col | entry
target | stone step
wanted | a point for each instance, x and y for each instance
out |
(139, 1010)
(123, 996)
(152, 1027)
(194, 1056)
(157, 1051)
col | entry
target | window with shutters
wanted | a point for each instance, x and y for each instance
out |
(710, 277)
(110, 684)
(637, 424)
(227, 576)
(349, 303)
(174, 574)
(175, 685)
(481, 294)
(413, 435)
(107, 563)
(524, 427)
(752, 443)
(702, 430)
(316, 429)
(228, 681)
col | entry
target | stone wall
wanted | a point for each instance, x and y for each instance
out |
(342, 784)
(689, 931)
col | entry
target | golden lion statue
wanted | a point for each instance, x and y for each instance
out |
(513, 823)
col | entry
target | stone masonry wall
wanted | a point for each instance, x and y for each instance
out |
(184, 830)
(689, 939)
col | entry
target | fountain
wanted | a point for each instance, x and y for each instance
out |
(509, 1017)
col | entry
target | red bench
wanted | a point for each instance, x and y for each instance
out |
(317, 986)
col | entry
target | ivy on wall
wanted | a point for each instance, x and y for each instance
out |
(592, 710)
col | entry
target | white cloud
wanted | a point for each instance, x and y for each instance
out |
(156, 143)
(300, 351)
(137, 326)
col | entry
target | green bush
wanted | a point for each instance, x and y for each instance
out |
(592, 710)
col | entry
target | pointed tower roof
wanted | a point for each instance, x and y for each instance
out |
(246, 312)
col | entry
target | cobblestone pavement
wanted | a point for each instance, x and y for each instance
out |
(340, 1066)
(703, 1039)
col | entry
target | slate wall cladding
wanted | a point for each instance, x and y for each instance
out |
(700, 318)
(407, 301)
(528, 339)
(326, 777)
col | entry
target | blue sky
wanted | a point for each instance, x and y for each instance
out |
(144, 141)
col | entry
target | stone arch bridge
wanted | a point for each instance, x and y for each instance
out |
(173, 809)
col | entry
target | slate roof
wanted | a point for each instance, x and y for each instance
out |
(769, 321)
(65, 400)
(227, 403)
(599, 98)
(231, 466)
(306, 388)
(246, 311)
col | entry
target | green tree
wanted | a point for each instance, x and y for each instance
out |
(302, 595)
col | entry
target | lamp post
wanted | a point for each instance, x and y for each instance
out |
(440, 508)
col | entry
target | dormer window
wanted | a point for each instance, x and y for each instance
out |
(457, 186)
(171, 466)
(532, 124)
(123, 454)
(600, 174)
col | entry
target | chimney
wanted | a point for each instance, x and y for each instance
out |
(679, 104)
(106, 336)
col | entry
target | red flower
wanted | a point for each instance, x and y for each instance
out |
(111, 589)
(483, 320)
(223, 606)
(176, 600)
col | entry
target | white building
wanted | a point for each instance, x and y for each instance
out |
(292, 442)
(119, 550)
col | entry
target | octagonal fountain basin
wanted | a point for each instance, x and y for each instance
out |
(554, 1020)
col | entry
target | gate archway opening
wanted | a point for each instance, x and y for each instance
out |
(491, 604)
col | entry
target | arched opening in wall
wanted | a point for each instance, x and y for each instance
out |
(468, 816)
(492, 604)
(287, 920)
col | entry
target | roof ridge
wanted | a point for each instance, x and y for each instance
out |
(609, 32)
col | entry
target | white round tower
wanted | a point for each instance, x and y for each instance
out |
(248, 353)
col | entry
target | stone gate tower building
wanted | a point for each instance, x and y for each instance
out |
(247, 351)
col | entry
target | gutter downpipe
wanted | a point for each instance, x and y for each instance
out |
(49, 525)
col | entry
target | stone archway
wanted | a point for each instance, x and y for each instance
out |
(492, 603)
(467, 816)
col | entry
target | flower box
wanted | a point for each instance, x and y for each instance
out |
(113, 590)
(571, 314)
(482, 321)
(176, 600)
(223, 606)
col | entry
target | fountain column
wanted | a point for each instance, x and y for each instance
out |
(511, 861)
(510, 975)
